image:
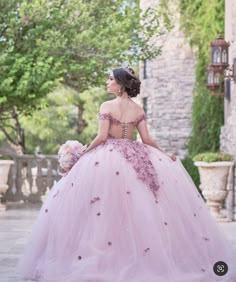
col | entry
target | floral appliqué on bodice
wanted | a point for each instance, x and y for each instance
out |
(135, 153)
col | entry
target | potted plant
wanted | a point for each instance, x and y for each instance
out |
(5, 164)
(214, 169)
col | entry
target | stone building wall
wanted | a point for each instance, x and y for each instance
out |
(167, 93)
(167, 89)
(228, 131)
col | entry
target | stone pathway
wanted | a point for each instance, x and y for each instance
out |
(15, 227)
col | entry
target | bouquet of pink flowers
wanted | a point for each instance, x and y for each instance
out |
(69, 153)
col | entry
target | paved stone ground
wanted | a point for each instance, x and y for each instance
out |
(15, 227)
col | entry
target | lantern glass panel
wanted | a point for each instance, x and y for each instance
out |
(224, 57)
(216, 55)
(210, 76)
(216, 78)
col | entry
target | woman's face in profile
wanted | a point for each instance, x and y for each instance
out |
(112, 85)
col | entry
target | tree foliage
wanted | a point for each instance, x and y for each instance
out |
(52, 126)
(43, 43)
(47, 128)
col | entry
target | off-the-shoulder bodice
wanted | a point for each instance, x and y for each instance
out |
(120, 129)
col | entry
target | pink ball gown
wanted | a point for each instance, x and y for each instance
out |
(125, 213)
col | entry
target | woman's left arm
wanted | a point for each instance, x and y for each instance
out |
(103, 128)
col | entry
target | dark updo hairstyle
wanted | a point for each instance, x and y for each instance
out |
(128, 80)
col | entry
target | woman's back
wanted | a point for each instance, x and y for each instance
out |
(124, 115)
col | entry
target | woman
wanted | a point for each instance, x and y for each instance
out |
(126, 211)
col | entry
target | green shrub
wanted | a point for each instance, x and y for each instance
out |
(212, 157)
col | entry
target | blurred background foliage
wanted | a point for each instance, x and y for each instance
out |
(59, 121)
(53, 55)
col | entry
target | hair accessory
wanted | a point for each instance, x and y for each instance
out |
(129, 70)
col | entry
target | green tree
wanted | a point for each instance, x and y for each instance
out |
(43, 43)
(47, 128)
(52, 126)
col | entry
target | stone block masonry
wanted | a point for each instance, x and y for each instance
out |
(167, 86)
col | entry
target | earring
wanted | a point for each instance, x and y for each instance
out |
(120, 91)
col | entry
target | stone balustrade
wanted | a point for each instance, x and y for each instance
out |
(31, 177)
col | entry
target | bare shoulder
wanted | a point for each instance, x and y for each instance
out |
(111, 106)
(105, 106)
(139, 109)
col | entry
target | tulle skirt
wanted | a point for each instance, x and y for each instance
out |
(102, 222)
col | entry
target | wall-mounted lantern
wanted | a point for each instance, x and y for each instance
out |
(219, 68)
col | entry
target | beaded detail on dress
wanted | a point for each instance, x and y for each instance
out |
(137, 155)
(124, 125)
(107, 116)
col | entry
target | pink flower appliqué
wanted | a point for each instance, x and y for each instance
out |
(137, 155)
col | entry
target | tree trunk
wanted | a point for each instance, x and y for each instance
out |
(17, 138)
(81, 122)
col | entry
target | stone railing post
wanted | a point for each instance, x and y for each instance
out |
(31, 177)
